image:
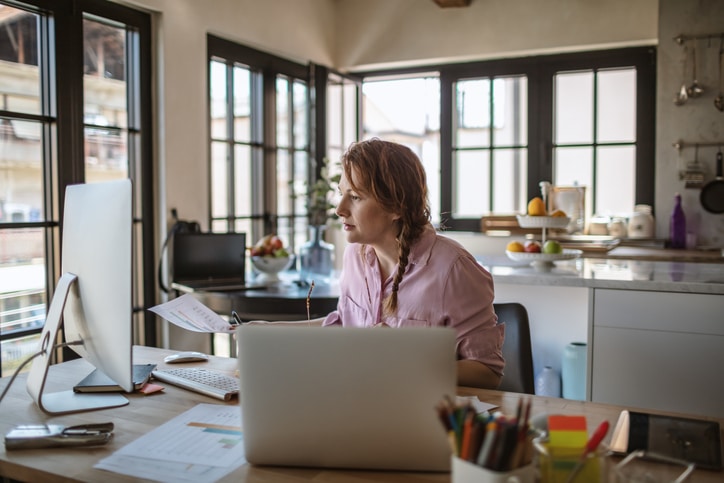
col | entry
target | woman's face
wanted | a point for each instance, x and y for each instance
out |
(363, 218)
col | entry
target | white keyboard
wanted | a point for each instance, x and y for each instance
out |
(209, 383)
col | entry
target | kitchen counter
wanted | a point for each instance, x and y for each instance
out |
(655, 254)
(625, 274)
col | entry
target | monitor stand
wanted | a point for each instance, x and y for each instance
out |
(65, 401)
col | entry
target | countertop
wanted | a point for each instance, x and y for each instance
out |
(624, 274)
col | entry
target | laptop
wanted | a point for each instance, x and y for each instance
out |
(209, 261)
(356, 398)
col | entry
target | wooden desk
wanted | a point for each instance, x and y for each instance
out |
(145, 413)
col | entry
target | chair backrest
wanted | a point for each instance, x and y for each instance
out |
(518, 374)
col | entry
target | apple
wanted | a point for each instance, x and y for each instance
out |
(532, 246)
(552, 246)
(269, 246)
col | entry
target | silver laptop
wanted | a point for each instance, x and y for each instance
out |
(346, 397)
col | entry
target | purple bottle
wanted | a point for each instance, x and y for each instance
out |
(677, 228)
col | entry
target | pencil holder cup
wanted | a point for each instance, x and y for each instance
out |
(564, 465)
(467, 472)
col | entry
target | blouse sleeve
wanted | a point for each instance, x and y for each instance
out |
(468, 298)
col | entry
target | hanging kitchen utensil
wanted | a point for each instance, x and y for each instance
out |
(712, 195)
(694, 90)
(719, 100)
(693, 177)
(681, 96)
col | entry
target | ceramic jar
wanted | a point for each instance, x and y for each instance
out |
(641, 223)
(573, 371)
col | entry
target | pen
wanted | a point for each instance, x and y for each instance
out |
(591, 446)
(235, 319)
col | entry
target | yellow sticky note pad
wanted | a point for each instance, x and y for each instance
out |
(567, 431)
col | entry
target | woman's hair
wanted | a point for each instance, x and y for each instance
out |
(394, 177)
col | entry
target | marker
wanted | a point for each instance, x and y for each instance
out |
(591, 446)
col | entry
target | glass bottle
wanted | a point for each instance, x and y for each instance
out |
(677, 228)
(316, 257)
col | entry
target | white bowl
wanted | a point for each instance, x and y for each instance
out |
(527, 221)
(269, 267)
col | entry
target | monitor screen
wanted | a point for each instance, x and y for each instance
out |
(93, 294)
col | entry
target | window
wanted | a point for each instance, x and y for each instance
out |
(264, 150)
(98, 129)
(583, 119)
(259, 115)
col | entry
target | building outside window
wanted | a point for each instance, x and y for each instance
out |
(61, 129)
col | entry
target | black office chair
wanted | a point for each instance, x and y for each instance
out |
(518, 374)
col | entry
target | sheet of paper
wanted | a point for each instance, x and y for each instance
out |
(200, 445)
(478, 405)
(190, 314)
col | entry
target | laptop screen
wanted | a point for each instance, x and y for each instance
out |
(208, 256)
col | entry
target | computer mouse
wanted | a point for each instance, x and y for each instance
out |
(187, 356)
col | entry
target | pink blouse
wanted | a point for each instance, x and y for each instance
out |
(444, 286)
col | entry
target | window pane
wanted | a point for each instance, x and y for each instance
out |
(615, 185)
(242, 182)
(510, 108)
(19, 72)
(105, 101)
(574, 108)
(301, 126)
(403, 106)
(350, 114)
(242, 104)
(574, 167)
(21, 189)
(283, 113)
(283, 191)
(106, 155)
(472, 183)
(104, 80)
(510, 176)
(22, 292)
(219, 180)
(617, 105)
(334, 114)
(217, 105)
(472, 120)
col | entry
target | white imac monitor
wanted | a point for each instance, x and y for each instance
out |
(93, 300)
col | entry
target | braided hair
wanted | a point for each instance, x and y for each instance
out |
(394, 177)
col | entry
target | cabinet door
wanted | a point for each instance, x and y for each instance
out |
(659, 351)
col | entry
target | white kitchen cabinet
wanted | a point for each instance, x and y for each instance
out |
(658, 350)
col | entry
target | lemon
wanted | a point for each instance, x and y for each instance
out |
(515, 246)
(536, 207)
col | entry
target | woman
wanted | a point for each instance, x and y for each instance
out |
(398, 272)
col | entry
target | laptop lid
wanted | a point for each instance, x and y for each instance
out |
(206, 257)
(346, 397)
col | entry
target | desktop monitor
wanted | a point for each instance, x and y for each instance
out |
(92, 301)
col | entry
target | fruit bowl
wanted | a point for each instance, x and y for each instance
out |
(270, 266)
(527, 221)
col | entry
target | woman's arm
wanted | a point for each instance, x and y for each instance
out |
(476, 374)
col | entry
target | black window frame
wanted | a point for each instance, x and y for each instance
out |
(540, 71)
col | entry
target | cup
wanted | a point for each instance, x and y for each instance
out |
(467, 472)
(560, 465)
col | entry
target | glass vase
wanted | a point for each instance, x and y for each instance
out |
(316, 257)
(548, 383)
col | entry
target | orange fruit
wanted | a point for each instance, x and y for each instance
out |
(559, 213)
(536, 207)
(515, 246)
